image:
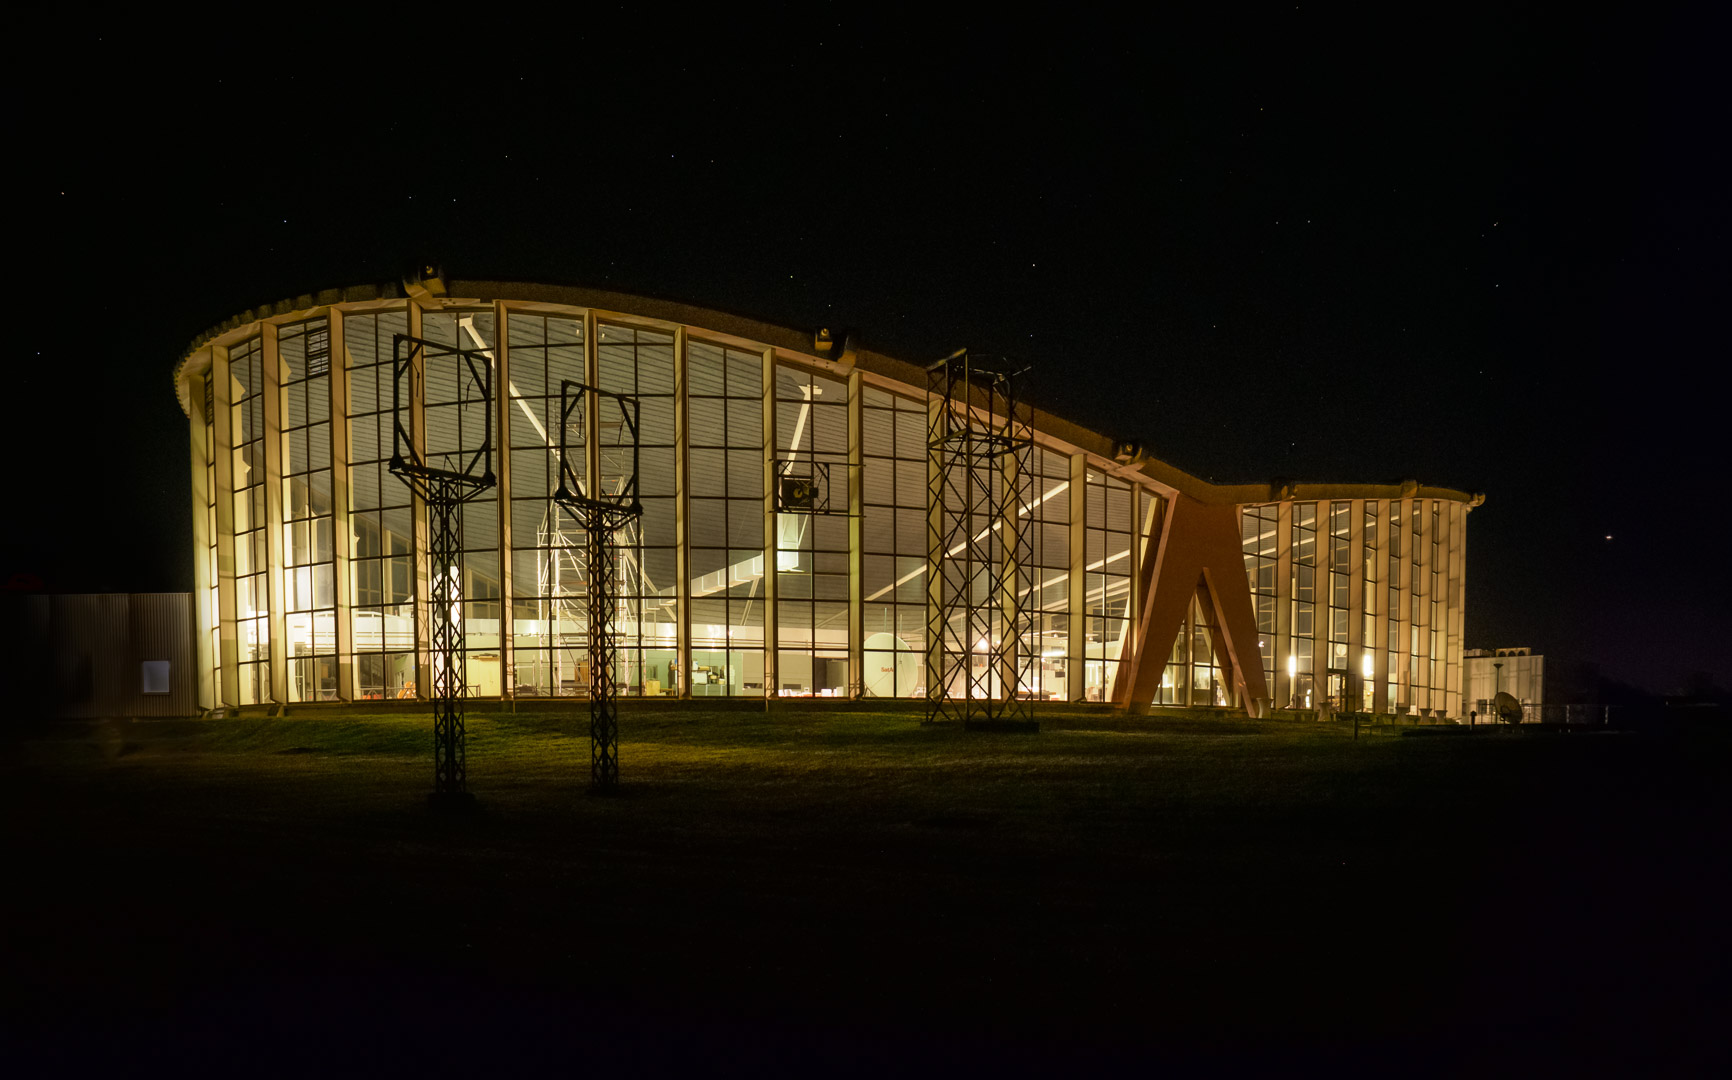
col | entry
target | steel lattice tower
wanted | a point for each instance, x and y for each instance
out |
(444, 491)
(602, 517)
(979, 639)
(601, 526)
(450, 776)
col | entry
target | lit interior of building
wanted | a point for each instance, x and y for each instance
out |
(314, 580)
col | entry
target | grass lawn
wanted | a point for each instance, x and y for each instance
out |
(825, 889)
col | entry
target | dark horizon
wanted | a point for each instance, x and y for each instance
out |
(1480, 257)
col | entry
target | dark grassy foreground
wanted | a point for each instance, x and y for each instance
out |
(855, 892)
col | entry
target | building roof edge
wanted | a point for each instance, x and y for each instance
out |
(794, 341)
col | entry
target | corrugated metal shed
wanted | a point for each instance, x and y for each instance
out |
(109, 654)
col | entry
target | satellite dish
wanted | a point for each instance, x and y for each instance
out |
(1508, 709)
(890, 662)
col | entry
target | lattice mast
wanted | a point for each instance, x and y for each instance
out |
(562, 588)
(602, 517)
(464, 472)
(979, 640)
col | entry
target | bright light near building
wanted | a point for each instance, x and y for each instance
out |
(1292, 665)
(1365, 666)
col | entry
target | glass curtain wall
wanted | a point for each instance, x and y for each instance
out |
(548, 582)
(1418, 672)
(812, 548)
(1048, 526)
(1107, 580)
(1396, 681)
(1340, 602)
(1303, 625)
(213, 594)
(1258, 529)
(309, 582)
(1208, 684)
(1404, 555)
(456, 418)
(641, 363)
(1194, 675)
(894, 544)
(894, 548)
(1368, 617)
(726, 409)
(1406, 546)
(247, 436)
(382, 544)
(1173, 689)
(1439, 590)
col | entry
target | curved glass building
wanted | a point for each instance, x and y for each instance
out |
(1143, 585)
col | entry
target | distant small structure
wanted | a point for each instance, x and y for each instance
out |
(1519, 672)
(97, 655)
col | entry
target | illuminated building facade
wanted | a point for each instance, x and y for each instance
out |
(1146, 586)
(1517, 671)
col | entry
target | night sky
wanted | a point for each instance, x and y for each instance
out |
(1483, 254)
